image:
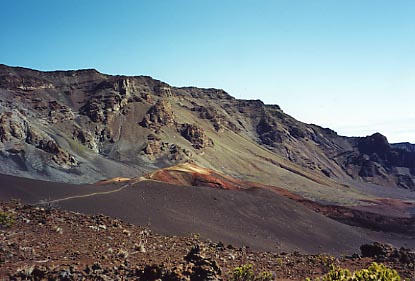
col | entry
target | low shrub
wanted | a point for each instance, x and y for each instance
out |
(375, 272)
(6, 219)
(246, 273)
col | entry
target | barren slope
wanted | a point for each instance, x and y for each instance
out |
(84, 126)
(253, 217)
(262, 217)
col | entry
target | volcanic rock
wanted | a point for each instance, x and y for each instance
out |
(196, 135)
(100, 112)
(154, 148)
(160, 114)
(219, 121)
(268, 132)
(384, 252)
(204, 268)
(85, 138)
(14, 126)
(11, 81)
(375, 143)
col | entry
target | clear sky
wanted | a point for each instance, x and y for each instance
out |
(348, 65)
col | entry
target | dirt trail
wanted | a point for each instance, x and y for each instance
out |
(98, 193)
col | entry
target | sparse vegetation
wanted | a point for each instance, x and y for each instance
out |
(123, 254)
(6, 219)
(195, 236)
(48, 204)
(375, 272)
(246, 273)
(119, 249)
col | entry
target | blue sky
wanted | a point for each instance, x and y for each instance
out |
(348, 65)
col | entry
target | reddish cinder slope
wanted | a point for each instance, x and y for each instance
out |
(189, 174)
(371, 214)
(261, 217)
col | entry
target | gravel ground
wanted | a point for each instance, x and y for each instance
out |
(44, 242)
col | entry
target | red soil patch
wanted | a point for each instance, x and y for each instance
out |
(384, 214)
(388, 207)
(192, 175)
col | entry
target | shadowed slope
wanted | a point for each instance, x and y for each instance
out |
(32, 191)
(234, 211)
(386, 214)
(256, 218)
(253, 217)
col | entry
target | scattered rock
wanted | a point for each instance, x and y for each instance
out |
(204, 268)
(154, 148)
(86, 254)
(376, 250)
(326, 172)
(385, 252)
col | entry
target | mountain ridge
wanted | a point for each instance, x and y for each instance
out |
(84, 126)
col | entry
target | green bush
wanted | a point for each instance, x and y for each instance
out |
(337, 274)
(246, 273)
(375, 272)
(6, 219)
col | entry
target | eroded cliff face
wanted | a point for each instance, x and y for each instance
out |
(159, 115)
(91, 124)
(375, 160)
(17, 132)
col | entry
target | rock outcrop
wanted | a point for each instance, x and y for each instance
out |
(375, 160)
(157, 149)
(385, 252)
(160, 114)
(196, 135)
(102, 108)
(219, 121)
(203, 268)
(11, 81)
(59, 112)
(86, 138)
(268, 131)
(409, 147)
(374, 144)
(15, 130)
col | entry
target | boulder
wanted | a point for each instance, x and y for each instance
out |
(376, 250)
(204, 268)
(385, 252)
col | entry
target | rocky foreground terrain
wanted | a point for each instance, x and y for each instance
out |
(41, 242)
